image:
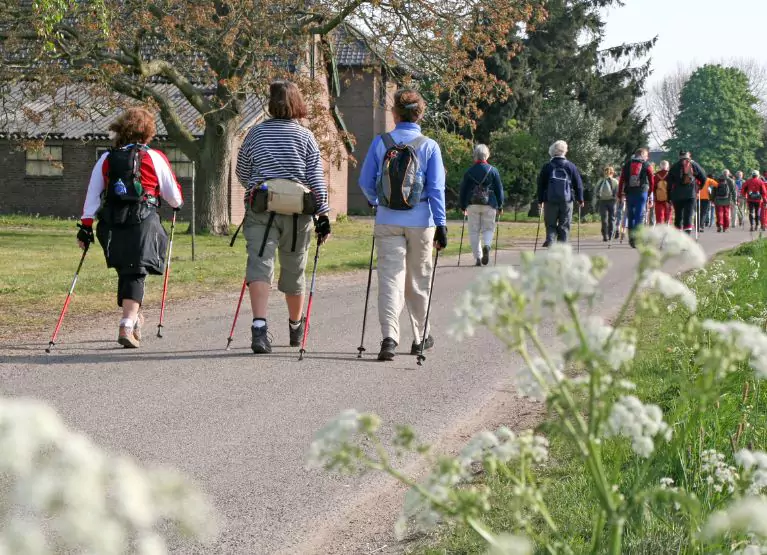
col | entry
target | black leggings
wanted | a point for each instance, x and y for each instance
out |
(131, 287)
(683, 211)
(754, 213)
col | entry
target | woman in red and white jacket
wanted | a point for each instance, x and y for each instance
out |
(123, 194)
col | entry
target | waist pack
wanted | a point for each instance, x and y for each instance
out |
(754, 196)
(283, 196)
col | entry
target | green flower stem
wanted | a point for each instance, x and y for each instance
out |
(596, 533)
(616, 535)
(594, 376)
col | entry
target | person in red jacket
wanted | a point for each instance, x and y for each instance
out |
(659, 192)
(754, 191)
(124, 193)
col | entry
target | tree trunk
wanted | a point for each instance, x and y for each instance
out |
(213, 172)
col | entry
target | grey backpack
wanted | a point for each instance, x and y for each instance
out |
(400, 184)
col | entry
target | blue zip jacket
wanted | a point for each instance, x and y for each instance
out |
(431, 210)
(575, 179)
(473, 176)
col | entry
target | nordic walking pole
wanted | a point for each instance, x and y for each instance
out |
(579, 226)
(463, 227)
(52, 342)
(361, 348)
(537, 233)
(167, 274)
(309, 305)
(420, 358)
(236, 314)
(497, 233)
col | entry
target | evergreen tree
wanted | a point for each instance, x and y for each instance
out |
(718, 120)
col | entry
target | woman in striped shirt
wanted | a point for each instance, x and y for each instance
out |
(280, 148)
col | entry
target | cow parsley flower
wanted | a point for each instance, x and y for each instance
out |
(330, 448)
(641, 423)
(507, 544)
(668, 243)
(596, 332)
(754, 465)
(558, 274)
(537, 380)
(670, 288)
(716, 472)
(747, 338)
(748, 515)
(66, 492)
(504, 446)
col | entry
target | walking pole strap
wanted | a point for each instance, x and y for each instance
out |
(266, 234)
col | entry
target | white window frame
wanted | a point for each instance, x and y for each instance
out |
(182, 167)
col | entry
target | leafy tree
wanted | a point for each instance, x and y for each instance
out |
(570, 121)
(216, 54)
(457, 156)
(518, 156)
(563, 56)
(718, 120)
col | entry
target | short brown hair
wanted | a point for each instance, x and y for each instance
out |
(409, 105)
(286, 101)
(135, 125)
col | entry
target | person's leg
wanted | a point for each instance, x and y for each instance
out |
(391, 247)
(550, 216)
(726, 217)
(293, 251)
(130, 295)
(475, 221)
(259, 273)
(565, 218)
(418, 277)
(488, 226)
(610, 219)
(603, 212)
(678, 215)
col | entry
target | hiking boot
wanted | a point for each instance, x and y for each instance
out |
(546, 244)
(485, 255)
(718, 229)
(137, 326)
(479, 262)
(415, 349)
(127, 338)
(260, 341)
(632, 243)
(296, 335)
(388, 349)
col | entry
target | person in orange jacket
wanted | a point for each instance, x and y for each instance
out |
(754, 191)
(704, 202)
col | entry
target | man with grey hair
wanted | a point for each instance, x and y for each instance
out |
(559, 184)
(481, 195)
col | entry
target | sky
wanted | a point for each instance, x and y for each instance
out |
(691, 30)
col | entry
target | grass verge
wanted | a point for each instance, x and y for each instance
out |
(38, 257)
(661, 371)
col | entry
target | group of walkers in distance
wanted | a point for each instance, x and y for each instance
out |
(403, 178)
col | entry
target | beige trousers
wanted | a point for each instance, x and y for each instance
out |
(404, 275)
(481, 226)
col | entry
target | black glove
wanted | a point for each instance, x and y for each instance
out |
(440, 237)
(85, 235)
(322, 228)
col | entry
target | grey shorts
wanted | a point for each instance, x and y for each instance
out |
(291, 248)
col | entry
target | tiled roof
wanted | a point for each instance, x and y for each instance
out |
(354, 49)
(88, 115)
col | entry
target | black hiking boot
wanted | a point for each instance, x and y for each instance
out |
(546, 244)
(388, 349)
(296, 335)
(415, 349)
(485, 255)
(479, 262)
(260, 341)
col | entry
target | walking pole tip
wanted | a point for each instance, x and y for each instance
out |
(49, 347)
(228, 343)
(360, 350)
(301, 354)
(159, 330)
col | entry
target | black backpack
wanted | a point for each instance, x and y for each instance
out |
(723, 190)
(400, 184)
(481, 192)
(123, 200)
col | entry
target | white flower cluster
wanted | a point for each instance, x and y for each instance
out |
(508, 544)
(670, 288)
(746, 515)
(755, 267)
(504, 446)
(744, 337)
(641, 423)
(331, 444)
(717, 473)
(509, 299)
(537, 381)
(754, 465)
(616, 353)
(65, 492)
(670, 243)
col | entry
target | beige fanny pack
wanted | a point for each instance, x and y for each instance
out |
(283, 196)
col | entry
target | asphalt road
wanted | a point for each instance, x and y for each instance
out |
(241, 425)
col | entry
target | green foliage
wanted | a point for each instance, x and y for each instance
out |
(561, 118)
(718, 121)
(457, 156)
(518, 156)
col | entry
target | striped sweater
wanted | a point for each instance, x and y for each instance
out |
(283, 149)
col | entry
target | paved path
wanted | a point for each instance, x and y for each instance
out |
(241, 425)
